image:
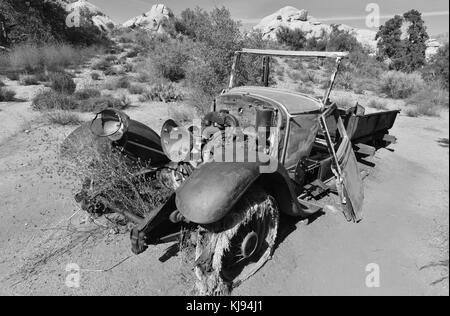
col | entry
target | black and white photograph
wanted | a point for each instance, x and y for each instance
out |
(224, 152)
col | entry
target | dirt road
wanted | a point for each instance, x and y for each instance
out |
(405, 231)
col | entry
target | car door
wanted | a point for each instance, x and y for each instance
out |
(345, 166)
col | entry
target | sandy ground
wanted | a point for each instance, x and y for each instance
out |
(405, 231)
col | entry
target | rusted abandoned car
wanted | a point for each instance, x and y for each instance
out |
(306, 148)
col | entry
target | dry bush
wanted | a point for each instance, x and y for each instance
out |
(344, 102)
(399, 85)
(378, 105)
(136, 89)
(2, 84)
(295, 75)
(62, 82)
(102, 65)
(95, 76)
(427, 102)
(33, 58)
(308, 76)
(52, 100)
(61, 117)
(302, 88)
(165, 92)
(87, 93)
(117, 182)
(7, 95)
(182, 113)
(123, 83)
(344, 80)
(29, 80)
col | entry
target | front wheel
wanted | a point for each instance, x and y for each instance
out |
(238, 246)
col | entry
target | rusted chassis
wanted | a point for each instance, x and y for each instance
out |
(202, 202)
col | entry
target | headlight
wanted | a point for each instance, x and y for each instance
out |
(110, 123)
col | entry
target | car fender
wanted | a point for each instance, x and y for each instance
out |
(211, 191)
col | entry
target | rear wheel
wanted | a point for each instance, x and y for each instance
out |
(238, 246)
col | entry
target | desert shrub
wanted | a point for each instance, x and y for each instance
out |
(103, 102)
(438, 67)
(95, 76)
(2, 84)
(87, 93)
(344, 80)
(169, 60)
(342, 41)
(304, 89)
(378, 105)
(53, 100)
(114, 70)
(61, 117)
(181, 113)
(163, 93)
(293, 38)
(110, 58)
(102, 65)
(53, 57)
(428, 101)
(280, 72)
(62, 82)
(399, 85)
(29, 80)
(128, 67)
(344, 101)
(7, 95)
(123, 83)
(416, 111)
(308, 76)
(13, 75)
(136, 89)
(295, 75)
(133, 52)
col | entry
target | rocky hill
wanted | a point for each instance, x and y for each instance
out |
(154, 20)
(89, 13)
(294, 18)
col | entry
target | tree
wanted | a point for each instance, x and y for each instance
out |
(389, 38)
(406, 54)
(415, 43)
(42, 21)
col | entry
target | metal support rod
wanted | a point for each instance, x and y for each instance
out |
(332, 80)
(237, 57)
(266, 73)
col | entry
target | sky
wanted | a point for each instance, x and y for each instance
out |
(250, 12)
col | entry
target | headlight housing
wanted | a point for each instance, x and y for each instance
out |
(110, 123)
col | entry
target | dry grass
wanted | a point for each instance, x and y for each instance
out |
(33, 58)
(61, 117)
(7, 95)
(378, 105)
(399, 85)
(344, 102)
(52, 100)
(29, 80)
(427, 102)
